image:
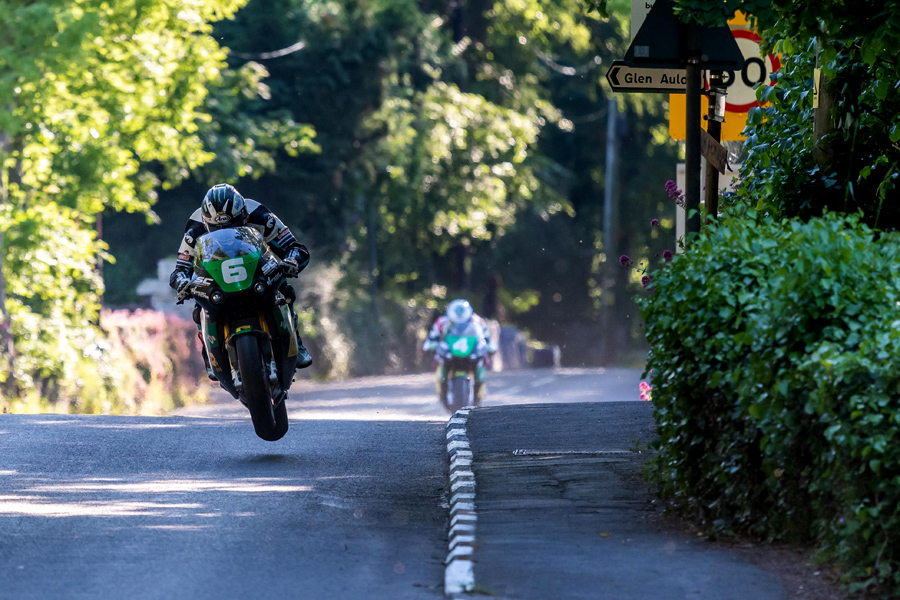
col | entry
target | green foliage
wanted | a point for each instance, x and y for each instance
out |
(856, 45)
(450, 167)
(463, 160)
(862, 173)
(100, 103)
(776, 386)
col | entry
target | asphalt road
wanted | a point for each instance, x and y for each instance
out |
(350, 504)
(413, 397)
(175, 507)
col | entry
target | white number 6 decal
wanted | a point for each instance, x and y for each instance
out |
(233, 270)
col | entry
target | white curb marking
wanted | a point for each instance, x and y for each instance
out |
(459, 575)
(456, 444)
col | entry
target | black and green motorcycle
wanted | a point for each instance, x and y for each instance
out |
(247, 323)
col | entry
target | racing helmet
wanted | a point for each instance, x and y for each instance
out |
(460, 311)
(223, 206)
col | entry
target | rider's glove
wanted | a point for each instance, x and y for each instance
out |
(291, 268)
(429, 345)
(183, 287)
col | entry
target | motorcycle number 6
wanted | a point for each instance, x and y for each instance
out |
(233, 270)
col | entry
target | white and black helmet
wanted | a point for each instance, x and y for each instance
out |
(460, 311)
(223, 206)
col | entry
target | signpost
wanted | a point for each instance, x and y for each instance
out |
(625, 78)
(639, 11)
(664, 43)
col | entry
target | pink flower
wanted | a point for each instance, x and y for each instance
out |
(644, 387)
(646, 280)
(624, 260)
(654, 223)
(668, 256)
(645, 396)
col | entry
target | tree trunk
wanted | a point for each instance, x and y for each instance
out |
(7, 346)
(823, 124)
(608, 321)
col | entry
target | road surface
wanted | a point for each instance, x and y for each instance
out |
(350, 504)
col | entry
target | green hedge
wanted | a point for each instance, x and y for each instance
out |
(776, 382)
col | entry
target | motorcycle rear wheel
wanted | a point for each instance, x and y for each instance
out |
(270, 422)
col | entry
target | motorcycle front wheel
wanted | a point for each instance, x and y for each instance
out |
(458, 393)
(269, 421)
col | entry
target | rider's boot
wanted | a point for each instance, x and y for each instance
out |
(209, 371)
(303, 358)
(196, 315)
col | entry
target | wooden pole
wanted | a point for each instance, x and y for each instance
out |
(714, 128)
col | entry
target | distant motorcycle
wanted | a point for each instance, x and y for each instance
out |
(247, 325)
(459, 359)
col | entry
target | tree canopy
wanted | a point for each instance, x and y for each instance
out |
(101, 104)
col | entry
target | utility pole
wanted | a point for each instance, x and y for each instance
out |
(372, 247)
(7, 345)
(610, 233)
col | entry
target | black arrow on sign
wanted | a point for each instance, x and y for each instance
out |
(613, 73)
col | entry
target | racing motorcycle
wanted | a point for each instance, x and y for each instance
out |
(247, 323)
(460, 358)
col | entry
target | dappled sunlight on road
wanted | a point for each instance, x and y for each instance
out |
(39, 506)
(130, 498)
(170, 486)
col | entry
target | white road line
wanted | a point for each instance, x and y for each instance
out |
(525, 452)
(542, 381)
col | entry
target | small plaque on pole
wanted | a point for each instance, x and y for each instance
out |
(714, 152)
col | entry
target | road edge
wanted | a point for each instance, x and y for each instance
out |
(459, 575)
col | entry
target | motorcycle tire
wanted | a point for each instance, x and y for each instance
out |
(269, 421)
(459, 388)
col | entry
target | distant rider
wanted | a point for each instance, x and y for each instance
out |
(224, 207)
(461, 320)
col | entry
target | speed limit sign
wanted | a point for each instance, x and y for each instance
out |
(739, 84)
(757, 69)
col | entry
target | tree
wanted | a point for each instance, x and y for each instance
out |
(851, 161)
(101, 103)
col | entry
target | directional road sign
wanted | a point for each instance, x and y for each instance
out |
(623, 78)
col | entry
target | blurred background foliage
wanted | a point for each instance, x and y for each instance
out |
(461, 150)
(422, 150)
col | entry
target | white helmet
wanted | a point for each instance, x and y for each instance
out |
(459, 311)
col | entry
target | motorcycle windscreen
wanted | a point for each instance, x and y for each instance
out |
(462, 346)
(230, 256)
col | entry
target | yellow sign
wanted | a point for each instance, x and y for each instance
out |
(739, 85)
(817, 81)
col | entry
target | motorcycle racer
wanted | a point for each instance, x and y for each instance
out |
(223, 206)
(460, 319)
